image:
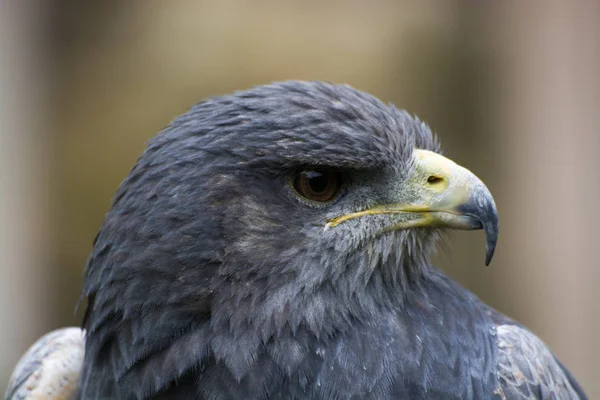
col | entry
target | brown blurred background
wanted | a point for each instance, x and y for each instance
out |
(512, 88)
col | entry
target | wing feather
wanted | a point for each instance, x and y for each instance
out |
(50, 369)
(529, 370)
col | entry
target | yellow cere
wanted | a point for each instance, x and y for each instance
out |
(435, 184)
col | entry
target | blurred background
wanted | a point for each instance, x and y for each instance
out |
(512, 88)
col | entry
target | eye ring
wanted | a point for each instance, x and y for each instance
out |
(318, 185)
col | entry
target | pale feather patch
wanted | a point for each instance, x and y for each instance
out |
(527, 369)
(50, 369)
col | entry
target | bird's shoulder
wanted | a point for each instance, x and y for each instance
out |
(51, 367)
(527, 368)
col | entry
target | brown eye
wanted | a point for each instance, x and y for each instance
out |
(320, 184)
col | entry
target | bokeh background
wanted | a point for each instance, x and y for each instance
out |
(512, 88)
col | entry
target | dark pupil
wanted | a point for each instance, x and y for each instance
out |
(317, 181)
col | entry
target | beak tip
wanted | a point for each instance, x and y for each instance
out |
(491, 231)
(488, 257)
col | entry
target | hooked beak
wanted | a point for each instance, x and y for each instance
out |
(440, 193)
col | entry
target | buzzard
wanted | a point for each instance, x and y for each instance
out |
(275, 244)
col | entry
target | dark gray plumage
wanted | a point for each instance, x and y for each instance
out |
(212, 278)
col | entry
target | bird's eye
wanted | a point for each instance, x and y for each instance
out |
(320, 185)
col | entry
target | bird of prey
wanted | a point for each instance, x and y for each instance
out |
(275, 244)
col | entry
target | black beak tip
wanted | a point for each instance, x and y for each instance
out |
(486, 218)
(491, 236)
(488, 255)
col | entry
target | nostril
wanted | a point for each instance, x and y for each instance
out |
(434, 179)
